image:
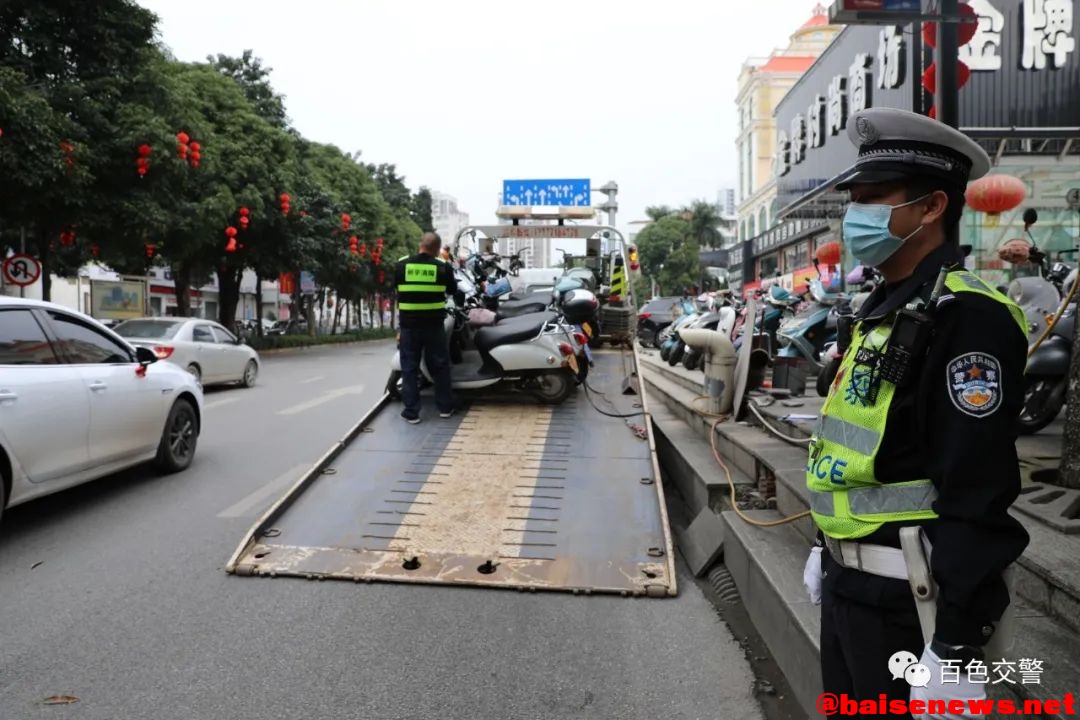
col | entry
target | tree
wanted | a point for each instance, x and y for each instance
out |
(421, 210)
(391, 185)
(668, 253)
(254, 79)
(656, 212)
(705, 222)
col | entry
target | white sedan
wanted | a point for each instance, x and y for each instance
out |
(202, 347)
(77, 403)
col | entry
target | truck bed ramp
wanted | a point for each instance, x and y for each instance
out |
(505, 493)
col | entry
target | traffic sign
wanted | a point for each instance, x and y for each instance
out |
(530, 232)
(1073, 198)
(574, 193)
(21, 270)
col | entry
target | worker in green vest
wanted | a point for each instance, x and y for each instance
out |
(423, 282)
(912, 464)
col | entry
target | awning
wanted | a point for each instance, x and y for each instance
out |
(1048, 143)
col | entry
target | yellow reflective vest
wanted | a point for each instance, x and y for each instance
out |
(847, 501)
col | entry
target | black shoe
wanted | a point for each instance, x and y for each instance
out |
(411, 420)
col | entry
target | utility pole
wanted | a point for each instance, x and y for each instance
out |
(946, 57)
(610, 205)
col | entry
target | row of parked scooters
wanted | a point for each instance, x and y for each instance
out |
(533, 343)
(787, 325)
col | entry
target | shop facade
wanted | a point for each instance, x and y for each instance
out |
(1021, 103)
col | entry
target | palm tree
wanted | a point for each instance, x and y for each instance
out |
(705, 221)
(658, 211)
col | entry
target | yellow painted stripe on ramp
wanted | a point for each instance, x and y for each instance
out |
(479, 495)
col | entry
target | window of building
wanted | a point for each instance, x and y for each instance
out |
(767, 266)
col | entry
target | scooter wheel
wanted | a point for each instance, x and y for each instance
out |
(393, 385)
(676, 353)
(665, 351)
(691, 359)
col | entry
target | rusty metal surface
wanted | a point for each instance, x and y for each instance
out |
(510, 494)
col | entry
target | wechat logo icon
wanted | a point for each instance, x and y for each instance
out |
(904, 665)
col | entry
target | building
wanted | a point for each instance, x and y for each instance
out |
(1020, 103)
(448, 220)
(763, 82)
(726, 202)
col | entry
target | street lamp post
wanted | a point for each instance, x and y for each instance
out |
(946, 57)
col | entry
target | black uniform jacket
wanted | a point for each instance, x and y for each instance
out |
(935, 431)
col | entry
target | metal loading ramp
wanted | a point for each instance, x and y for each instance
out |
(507, 493)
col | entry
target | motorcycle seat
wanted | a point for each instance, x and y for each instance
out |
(510, 331)
(516, 308)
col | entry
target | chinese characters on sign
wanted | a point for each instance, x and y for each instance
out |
(981, 53)
(892, 58)
(1043, 36)
(1047, 33)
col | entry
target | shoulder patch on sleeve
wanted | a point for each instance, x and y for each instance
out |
(973, 381)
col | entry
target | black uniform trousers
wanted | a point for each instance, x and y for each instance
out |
(857, 638)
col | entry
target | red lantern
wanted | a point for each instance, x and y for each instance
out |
(967, 28)
(244, 223)
(382, 277)
(929, 78)
(346, 220)
(363, 250)
(196, 155)
(142, 167)
(352, 245)
(145, 150)
(230, 231)
(95, 250)
(182, 138)
(150, 250)
(284, 203)
(828, 253)
(994, 194)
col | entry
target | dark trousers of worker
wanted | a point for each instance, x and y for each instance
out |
(430, 343)
(864, 621)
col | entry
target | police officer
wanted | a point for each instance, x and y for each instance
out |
(918, 429)
(423, 281)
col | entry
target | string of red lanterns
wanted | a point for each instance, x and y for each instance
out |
(142, 164)
(244, 219)
(966, 32)
(284, 199)
(230, 232)
(346, 221)
(68, 148)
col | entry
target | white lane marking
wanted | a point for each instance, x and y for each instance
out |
(317, 378)
(324, 398)
(251, 503)
(219, 403)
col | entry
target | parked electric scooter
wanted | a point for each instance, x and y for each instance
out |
(805, 334)
(1046, 378)
(669, 340)
(842, 315)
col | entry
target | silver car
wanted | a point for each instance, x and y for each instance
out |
(203, 347)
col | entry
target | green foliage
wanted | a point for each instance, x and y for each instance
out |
(83, 86)
(281, 342)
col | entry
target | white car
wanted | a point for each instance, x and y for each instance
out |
(77, 403)
(202, 347)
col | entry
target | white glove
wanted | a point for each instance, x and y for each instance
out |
(962, 690)
(811, 575)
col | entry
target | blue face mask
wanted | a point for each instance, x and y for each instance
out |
(866, 231)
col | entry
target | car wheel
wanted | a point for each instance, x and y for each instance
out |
(195, 372)
(656, 340)
(251, 371)
(179, 438)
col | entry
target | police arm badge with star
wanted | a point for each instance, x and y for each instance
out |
(974, 383)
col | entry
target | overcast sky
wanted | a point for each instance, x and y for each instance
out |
(463, 95)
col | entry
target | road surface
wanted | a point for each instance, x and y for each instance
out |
(114, 593)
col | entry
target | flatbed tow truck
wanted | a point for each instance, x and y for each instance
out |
(505, 493)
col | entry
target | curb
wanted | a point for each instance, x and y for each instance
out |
(316, 346)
